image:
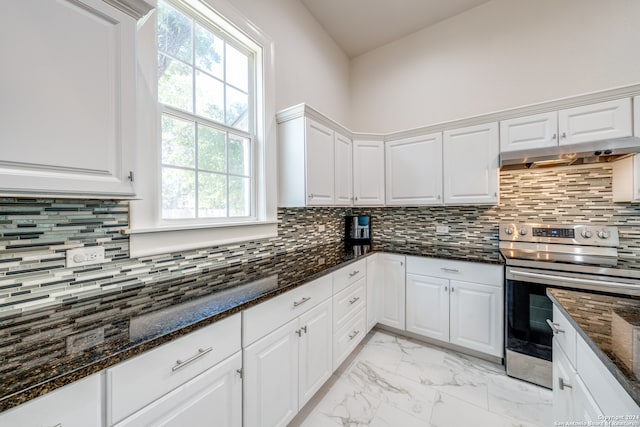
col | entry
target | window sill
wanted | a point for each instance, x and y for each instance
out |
(163, 240)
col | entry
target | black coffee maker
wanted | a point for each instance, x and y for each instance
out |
(357, 235)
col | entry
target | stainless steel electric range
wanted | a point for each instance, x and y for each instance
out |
(539, 256)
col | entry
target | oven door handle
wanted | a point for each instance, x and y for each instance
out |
(602, 284)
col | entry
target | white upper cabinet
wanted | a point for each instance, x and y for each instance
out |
(320, 164)
(368, 173)
(529, 132)
(68, 99)
(344, 170)
(626, 172)
(606, 120)
(471, 161)
(414, 170)
(636, 116)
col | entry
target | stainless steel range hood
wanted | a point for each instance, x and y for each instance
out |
(567, 155)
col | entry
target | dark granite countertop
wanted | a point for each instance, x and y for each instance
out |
(35, 357)
(590, 314)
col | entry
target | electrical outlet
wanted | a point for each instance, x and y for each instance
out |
(321, 261)
(85, 340)
(321, 228)
(442, 229)
(85, 256)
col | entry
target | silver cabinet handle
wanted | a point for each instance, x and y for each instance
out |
(302, 301)
(564, 134)
(353, 334)
(311, 196)
(438, 197)
(304, 328)
(353, 300)
(452, 289)
(446, 288)
(353, 273)
(554, 326)
(450, 270)
(562, 384)
(201, 352)
(555, 136)
(299, 332)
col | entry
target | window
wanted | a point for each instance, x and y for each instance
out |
(206, 165)
(206, 91)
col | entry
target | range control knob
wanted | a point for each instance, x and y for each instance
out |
(586, 234)
(508, 231)
(523, 231)
(603, 234)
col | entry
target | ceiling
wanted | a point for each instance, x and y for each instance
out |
(362, 25)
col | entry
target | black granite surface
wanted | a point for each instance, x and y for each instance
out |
(35, 356)
(590, 314)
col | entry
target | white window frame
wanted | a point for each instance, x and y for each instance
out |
(149, 233)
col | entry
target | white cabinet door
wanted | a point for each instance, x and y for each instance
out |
(585, 407)
(75, 405)
(471, 161)
(524, 133)
(414, 170)
(212, 398)
(68, 98)
(368, 173)
(428, 306)
(606, 120)
(344, 170)
(476, 317)
(374, 286)
(320, 164)
(563, 376)
(393, 291)
(316, 352)
(271, 378)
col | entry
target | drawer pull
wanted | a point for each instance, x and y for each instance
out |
(450, 270)
(554, 326)
(353, 300)
(302, 301)
(304, 329)
(562, 384)
(353, 334)
(353, 273)
(201, 352)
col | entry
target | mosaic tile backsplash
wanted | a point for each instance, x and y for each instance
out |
(35, 233)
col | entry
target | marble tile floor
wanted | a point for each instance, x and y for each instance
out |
(399, 382)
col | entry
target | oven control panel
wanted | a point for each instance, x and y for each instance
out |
(582, 234)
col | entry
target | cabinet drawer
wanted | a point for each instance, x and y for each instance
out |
(605, 389)
(347, 338)
(348, 275)
(270, 315)
(349, 301)
(216, 394)
(137, 382)
(565, 335)
(486, 274)
(75, 405)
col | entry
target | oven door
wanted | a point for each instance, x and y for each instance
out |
(527, 311)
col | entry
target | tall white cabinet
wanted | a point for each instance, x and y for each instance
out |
(319, 160)
(471, 162)
(68, 99)
(343, 177)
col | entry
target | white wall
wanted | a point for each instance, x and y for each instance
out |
(309, 66)
(500, 55)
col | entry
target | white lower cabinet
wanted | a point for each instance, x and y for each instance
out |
(74, 405)
(373, 291)
(392, 290)
(213, 398)
(134, 385)
(442, 306)
(583, 388)
(286, 367)
(428, 306)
